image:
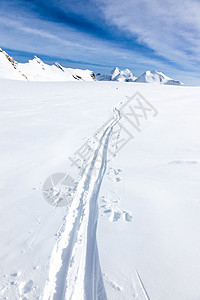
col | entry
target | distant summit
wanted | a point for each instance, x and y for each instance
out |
(157, 77)
(117, 75)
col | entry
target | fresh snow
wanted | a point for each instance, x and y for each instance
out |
(132, 230)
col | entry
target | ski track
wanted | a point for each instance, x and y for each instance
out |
(75, 272)
(142, 286)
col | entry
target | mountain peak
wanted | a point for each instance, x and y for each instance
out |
(117, 75)
(116, 69)
(9, 68)
(9, 58)
(58, 66)
(157, 77)
(37, 59)
(154, 71)
(114, 73)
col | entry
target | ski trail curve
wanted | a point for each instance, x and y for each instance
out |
(75, 272)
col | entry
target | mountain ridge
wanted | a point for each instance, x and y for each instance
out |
(36, 70)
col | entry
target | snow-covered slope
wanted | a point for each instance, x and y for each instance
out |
(37, 70)
(157, 77)
(117, 75)
(146, 244)
(79, 74)
(9, 67)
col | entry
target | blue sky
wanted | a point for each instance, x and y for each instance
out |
(99, 35)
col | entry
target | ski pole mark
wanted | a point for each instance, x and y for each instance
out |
(142, 285)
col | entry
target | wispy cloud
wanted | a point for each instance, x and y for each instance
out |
(137, 34)
(170, 28)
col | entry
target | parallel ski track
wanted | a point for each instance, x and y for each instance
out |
(75, 271)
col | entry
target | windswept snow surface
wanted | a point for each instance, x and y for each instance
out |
(132, 230)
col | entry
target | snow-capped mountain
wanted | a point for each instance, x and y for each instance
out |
(37, 70)
(9, 67)
(157, 77)
(117, 75)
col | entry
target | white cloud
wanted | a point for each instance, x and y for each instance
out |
(49, 38)
(170, 28)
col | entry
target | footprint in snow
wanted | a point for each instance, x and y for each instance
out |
(127, 217)
(112, 283)
(25, 287)
(110, 208)
(15, 274)
(113, 174)
(107, 211)
(115, 216)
